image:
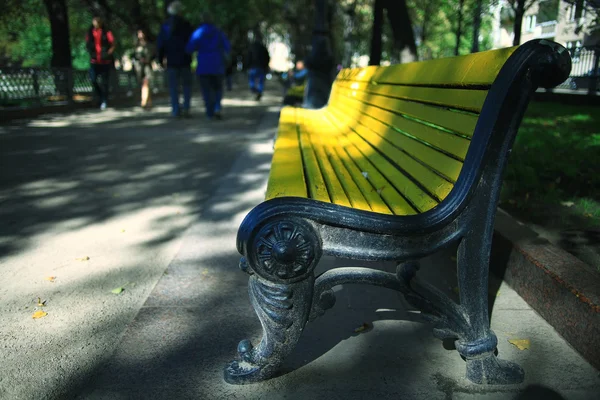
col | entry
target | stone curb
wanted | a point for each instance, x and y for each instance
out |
(562, 289)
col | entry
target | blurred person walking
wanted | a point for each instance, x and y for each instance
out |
(214, 54)
(258, 63)
(100, 44)
(172, 39)
(142, 60)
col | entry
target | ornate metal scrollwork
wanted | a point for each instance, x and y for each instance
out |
(285, 251)
(281, 258)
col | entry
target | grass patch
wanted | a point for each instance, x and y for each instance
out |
(553, 175)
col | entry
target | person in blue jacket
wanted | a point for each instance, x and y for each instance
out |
(172, 39)
(214, 52)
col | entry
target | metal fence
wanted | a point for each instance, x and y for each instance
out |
(31, 87)
(585, 71)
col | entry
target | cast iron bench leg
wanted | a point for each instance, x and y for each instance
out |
(478, 343)
(281, 262)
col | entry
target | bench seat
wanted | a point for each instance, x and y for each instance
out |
(390, 140)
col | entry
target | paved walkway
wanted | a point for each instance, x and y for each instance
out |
(155, 206)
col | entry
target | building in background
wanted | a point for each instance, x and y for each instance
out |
(570, 24)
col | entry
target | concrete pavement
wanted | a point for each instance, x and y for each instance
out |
(170, 335)
(99, 201)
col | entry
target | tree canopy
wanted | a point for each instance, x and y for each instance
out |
(30, 28)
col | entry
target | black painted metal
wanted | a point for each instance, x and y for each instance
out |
(282, 240)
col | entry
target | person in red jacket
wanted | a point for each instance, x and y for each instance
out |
(100, 43)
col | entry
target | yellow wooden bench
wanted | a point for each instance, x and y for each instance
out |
(403, 160)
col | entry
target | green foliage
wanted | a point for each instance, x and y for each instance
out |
(555, 159)
(435, 22)
(34, 44)
(24, 27)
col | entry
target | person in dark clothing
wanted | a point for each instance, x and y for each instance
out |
(172, 39)
(100, 44)
(258, 64)
(214, 54)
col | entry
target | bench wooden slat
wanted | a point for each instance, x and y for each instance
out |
(477, 69)
(343, 167)
(417, 183)
(461, 99)
(379, 183)
(287, 173)
(363, 139)
(375, 201)
(331, 175)
(404, 150)
(317, 188)
(459, 122)
(443, 141)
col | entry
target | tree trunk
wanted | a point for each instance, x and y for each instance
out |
(59, 25)
(519, 13)
(140, 21)
(319, 63)
(349, 19)
(459, 27)
(376, 44)
(397, 13)
(61, 47)
(476, 25)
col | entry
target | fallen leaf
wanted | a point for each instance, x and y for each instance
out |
(511, 201)
(588, 215)
(526, 196)
(205, 272)
(41, 303)
(362, 328)
(116, 195)
(39, 314)
(117, 290)
(498, 293)
(456, 290)
(522, 344)
(86, 258)
(122, 230)
(178, 212)
(50, 278)
(567, 203)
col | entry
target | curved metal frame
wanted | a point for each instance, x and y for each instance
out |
(288, 300)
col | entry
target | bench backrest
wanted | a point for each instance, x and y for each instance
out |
(420, 116)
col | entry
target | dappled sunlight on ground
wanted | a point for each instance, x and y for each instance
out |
(99, 201)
